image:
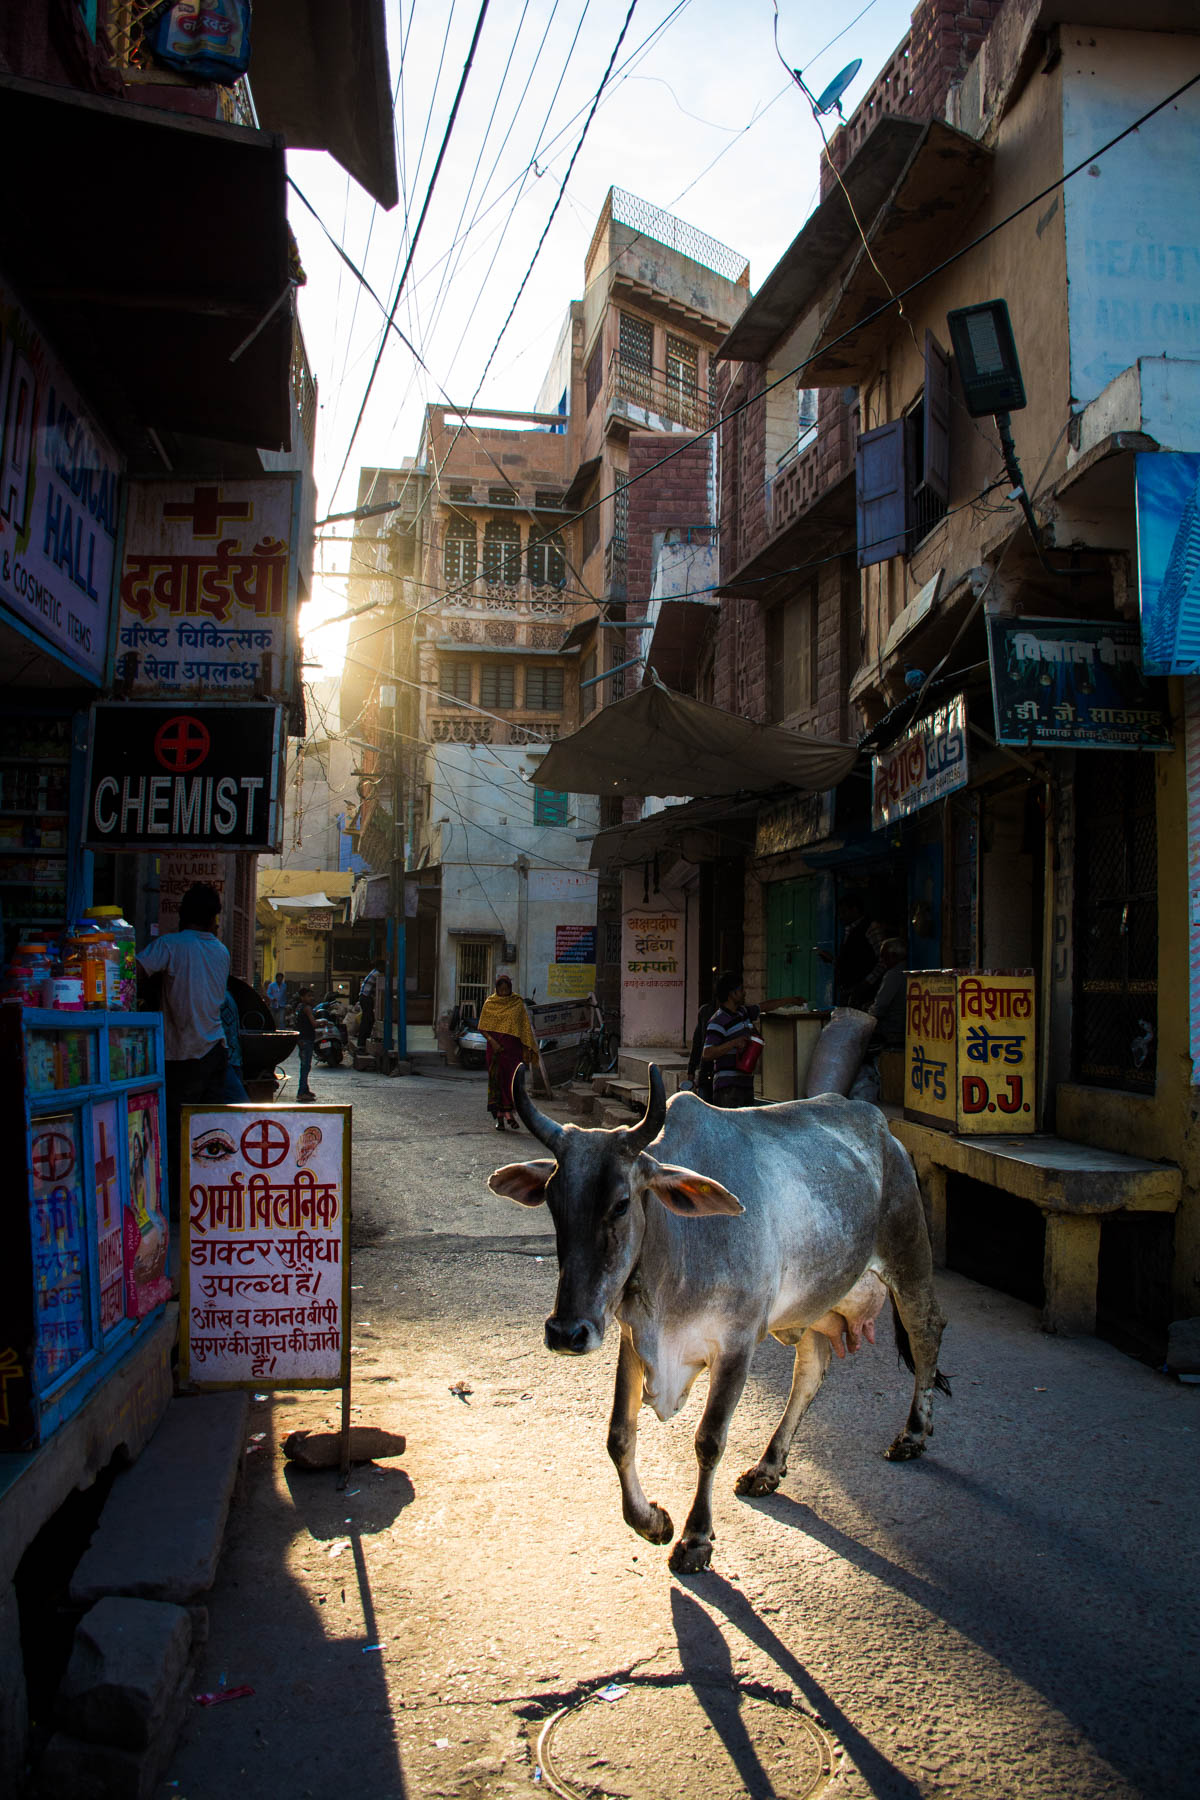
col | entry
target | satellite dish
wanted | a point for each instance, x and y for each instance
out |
(831, 99)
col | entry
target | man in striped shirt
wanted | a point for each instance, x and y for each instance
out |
(729, 1031)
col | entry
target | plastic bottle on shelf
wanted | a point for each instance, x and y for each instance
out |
(83, 942)
(117, 934)
(26, 972)
(62, 988)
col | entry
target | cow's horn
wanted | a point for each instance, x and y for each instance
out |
(547, 1131)
(651, 1122)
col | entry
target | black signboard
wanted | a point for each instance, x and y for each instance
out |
(183, 777)
(1074, 684)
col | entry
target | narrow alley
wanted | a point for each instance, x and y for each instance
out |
(1014, 1614)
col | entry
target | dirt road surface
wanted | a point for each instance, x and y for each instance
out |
(1016, 1614)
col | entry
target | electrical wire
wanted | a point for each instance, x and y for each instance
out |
(412, 248)
(878, 312)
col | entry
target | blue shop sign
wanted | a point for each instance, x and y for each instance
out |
(1074, 684)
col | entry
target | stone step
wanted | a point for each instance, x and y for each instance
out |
(159, 1535)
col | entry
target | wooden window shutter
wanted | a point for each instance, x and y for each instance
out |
(880, 498)
(936, 471)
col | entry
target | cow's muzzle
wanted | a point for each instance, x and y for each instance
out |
(572, 1337)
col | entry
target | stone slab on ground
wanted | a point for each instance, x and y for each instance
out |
(1183, 1346)
(88, 1771)
(160, 1533)
(127, 1662)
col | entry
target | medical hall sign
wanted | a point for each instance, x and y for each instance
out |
(184, 777)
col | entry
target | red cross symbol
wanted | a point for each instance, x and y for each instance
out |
(53, 1156)
(181, 743)
(106, 1171)
(207, 511)
(265, 1144)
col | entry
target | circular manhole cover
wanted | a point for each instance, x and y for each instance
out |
(680, 1740)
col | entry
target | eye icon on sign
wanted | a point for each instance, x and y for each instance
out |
(181, 743)
(265, 1143)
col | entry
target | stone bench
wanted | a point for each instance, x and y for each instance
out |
(1073, 1185)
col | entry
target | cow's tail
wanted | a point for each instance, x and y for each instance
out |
(904, 1351)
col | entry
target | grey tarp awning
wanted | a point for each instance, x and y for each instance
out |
(658, 743)
(698, 831)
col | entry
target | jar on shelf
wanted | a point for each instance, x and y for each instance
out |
(85, 947)
(27, 971)
(116, 932)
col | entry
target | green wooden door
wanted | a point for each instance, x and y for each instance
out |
(796, 926)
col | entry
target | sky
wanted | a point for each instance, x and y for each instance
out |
(699, 116)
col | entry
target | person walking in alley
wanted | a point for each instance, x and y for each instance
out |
(277, 996)
(193, 966)
(371, 983)
(730, 1031)
(306, 1025)
(505, 1024)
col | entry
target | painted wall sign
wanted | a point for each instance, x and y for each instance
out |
(1168, 541)
(266, 1246)
(928, 762)
(1073, 684)
(207, 592)
(806, 819)
(562, 884)
(652, 950)
(970, 1050)
(59, 498)
(205, 777)
(1132, 237)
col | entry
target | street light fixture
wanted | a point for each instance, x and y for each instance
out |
(986, 353)
(989, 369)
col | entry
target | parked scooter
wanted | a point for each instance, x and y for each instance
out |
(470, 1043)
(332, 1037)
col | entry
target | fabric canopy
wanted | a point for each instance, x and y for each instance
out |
(658, 743)
(301, 902)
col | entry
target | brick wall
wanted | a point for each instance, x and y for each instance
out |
(680, 493)
(943, 40)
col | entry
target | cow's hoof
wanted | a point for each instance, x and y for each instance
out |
(658, 1528)
(905, 1448)
(691, 1555)
(758, 1481)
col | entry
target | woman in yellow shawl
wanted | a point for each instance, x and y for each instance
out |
(510, 1042)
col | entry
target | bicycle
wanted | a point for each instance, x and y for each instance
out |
(599, 1049)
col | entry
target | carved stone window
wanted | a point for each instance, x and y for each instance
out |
(502, 550)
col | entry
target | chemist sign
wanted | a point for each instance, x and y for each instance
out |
(183, 777)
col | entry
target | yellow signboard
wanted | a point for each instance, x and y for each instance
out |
(570, 981)
(970, 1051)
(931, 1049)
(996, 1086)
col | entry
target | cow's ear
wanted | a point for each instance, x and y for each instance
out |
(690, 1195)
(523, 1182)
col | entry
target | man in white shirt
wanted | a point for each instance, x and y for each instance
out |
(194, 966)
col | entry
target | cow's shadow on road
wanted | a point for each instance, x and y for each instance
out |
(705, 1658)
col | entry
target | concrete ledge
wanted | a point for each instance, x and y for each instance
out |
(159, 1536)
(1056, 1174)
(120, 1416)
(1073, 1185)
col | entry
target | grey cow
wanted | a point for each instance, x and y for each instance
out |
(804, 1215)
